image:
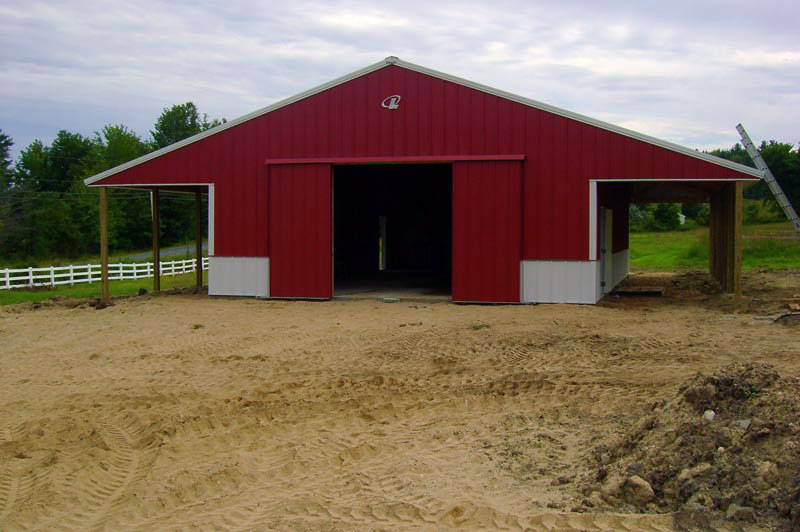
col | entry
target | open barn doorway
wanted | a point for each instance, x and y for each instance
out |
(392, 229)
(720, 241)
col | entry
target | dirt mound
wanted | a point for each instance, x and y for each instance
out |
(728, 444)
(727, 389)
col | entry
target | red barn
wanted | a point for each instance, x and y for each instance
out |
(400, 176)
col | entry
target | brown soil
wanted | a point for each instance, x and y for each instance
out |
(729, 438)
(184, 412)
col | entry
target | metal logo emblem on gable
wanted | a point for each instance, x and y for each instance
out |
(391, 102)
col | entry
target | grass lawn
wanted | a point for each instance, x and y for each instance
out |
(689, 249)
(86, 290)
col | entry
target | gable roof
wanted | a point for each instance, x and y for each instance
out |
(391, 60)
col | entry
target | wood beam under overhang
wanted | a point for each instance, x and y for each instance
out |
(672, 192)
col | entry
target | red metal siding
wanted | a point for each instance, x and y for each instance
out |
(616, 196)
(435, 117)
(300, 231)
(486, 231)
(620, 227)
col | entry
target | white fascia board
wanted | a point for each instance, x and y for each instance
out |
(447, 77)
(592, 220)
(585, 119)
(692, 180)
(211, 220)
(163, 186)
(235, 122)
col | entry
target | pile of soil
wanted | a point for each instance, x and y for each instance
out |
(728, 444)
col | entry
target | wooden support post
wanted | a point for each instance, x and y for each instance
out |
(713, 236)
(198, 236)
(725, 237)
(735, 268)
(156, 248)
(105, 298)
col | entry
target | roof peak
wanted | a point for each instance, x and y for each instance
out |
(394, 60)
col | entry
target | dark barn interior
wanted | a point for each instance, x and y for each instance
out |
(392, 228)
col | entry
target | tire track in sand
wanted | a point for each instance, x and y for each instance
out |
(102, 494)
(13, 488)
(611, 522)
(9, 487)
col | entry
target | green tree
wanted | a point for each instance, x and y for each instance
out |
(45, 195)
(129, 211)
(641, 214)
(5, 161)
(736, 154)
(47, 211)
(179, 122)
(118, 145)
(654, 216)
(23, 204)
(690, 210)
(784, 162)
(5, 177)
(30, 165)
(53, 168)
(666, 216)
(703, 215)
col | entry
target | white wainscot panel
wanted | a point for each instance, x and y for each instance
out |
(621, 262)
(238, 276)
(559, 281)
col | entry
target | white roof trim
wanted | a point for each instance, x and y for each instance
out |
(447, 77)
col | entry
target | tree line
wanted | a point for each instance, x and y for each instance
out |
(47, 212)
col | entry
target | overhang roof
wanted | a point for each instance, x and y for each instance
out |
(447, 77)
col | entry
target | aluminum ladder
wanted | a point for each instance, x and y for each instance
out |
(776, 189)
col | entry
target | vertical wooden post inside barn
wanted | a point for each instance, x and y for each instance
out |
(103, 245)
(725, 236)
(198, 237)
(156, 248)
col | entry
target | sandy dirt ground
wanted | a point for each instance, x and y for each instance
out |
(182, 412)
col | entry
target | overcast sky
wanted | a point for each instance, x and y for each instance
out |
(685, 71)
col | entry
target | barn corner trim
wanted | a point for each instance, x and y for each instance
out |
(392, 60)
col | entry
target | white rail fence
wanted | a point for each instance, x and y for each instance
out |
(89, 273)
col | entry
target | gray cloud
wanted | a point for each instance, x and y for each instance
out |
(685, 71)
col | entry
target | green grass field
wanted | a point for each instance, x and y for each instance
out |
(689, 249)
(87, 291)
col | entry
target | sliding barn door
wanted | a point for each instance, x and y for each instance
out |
(300, 231)
(486, 231)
